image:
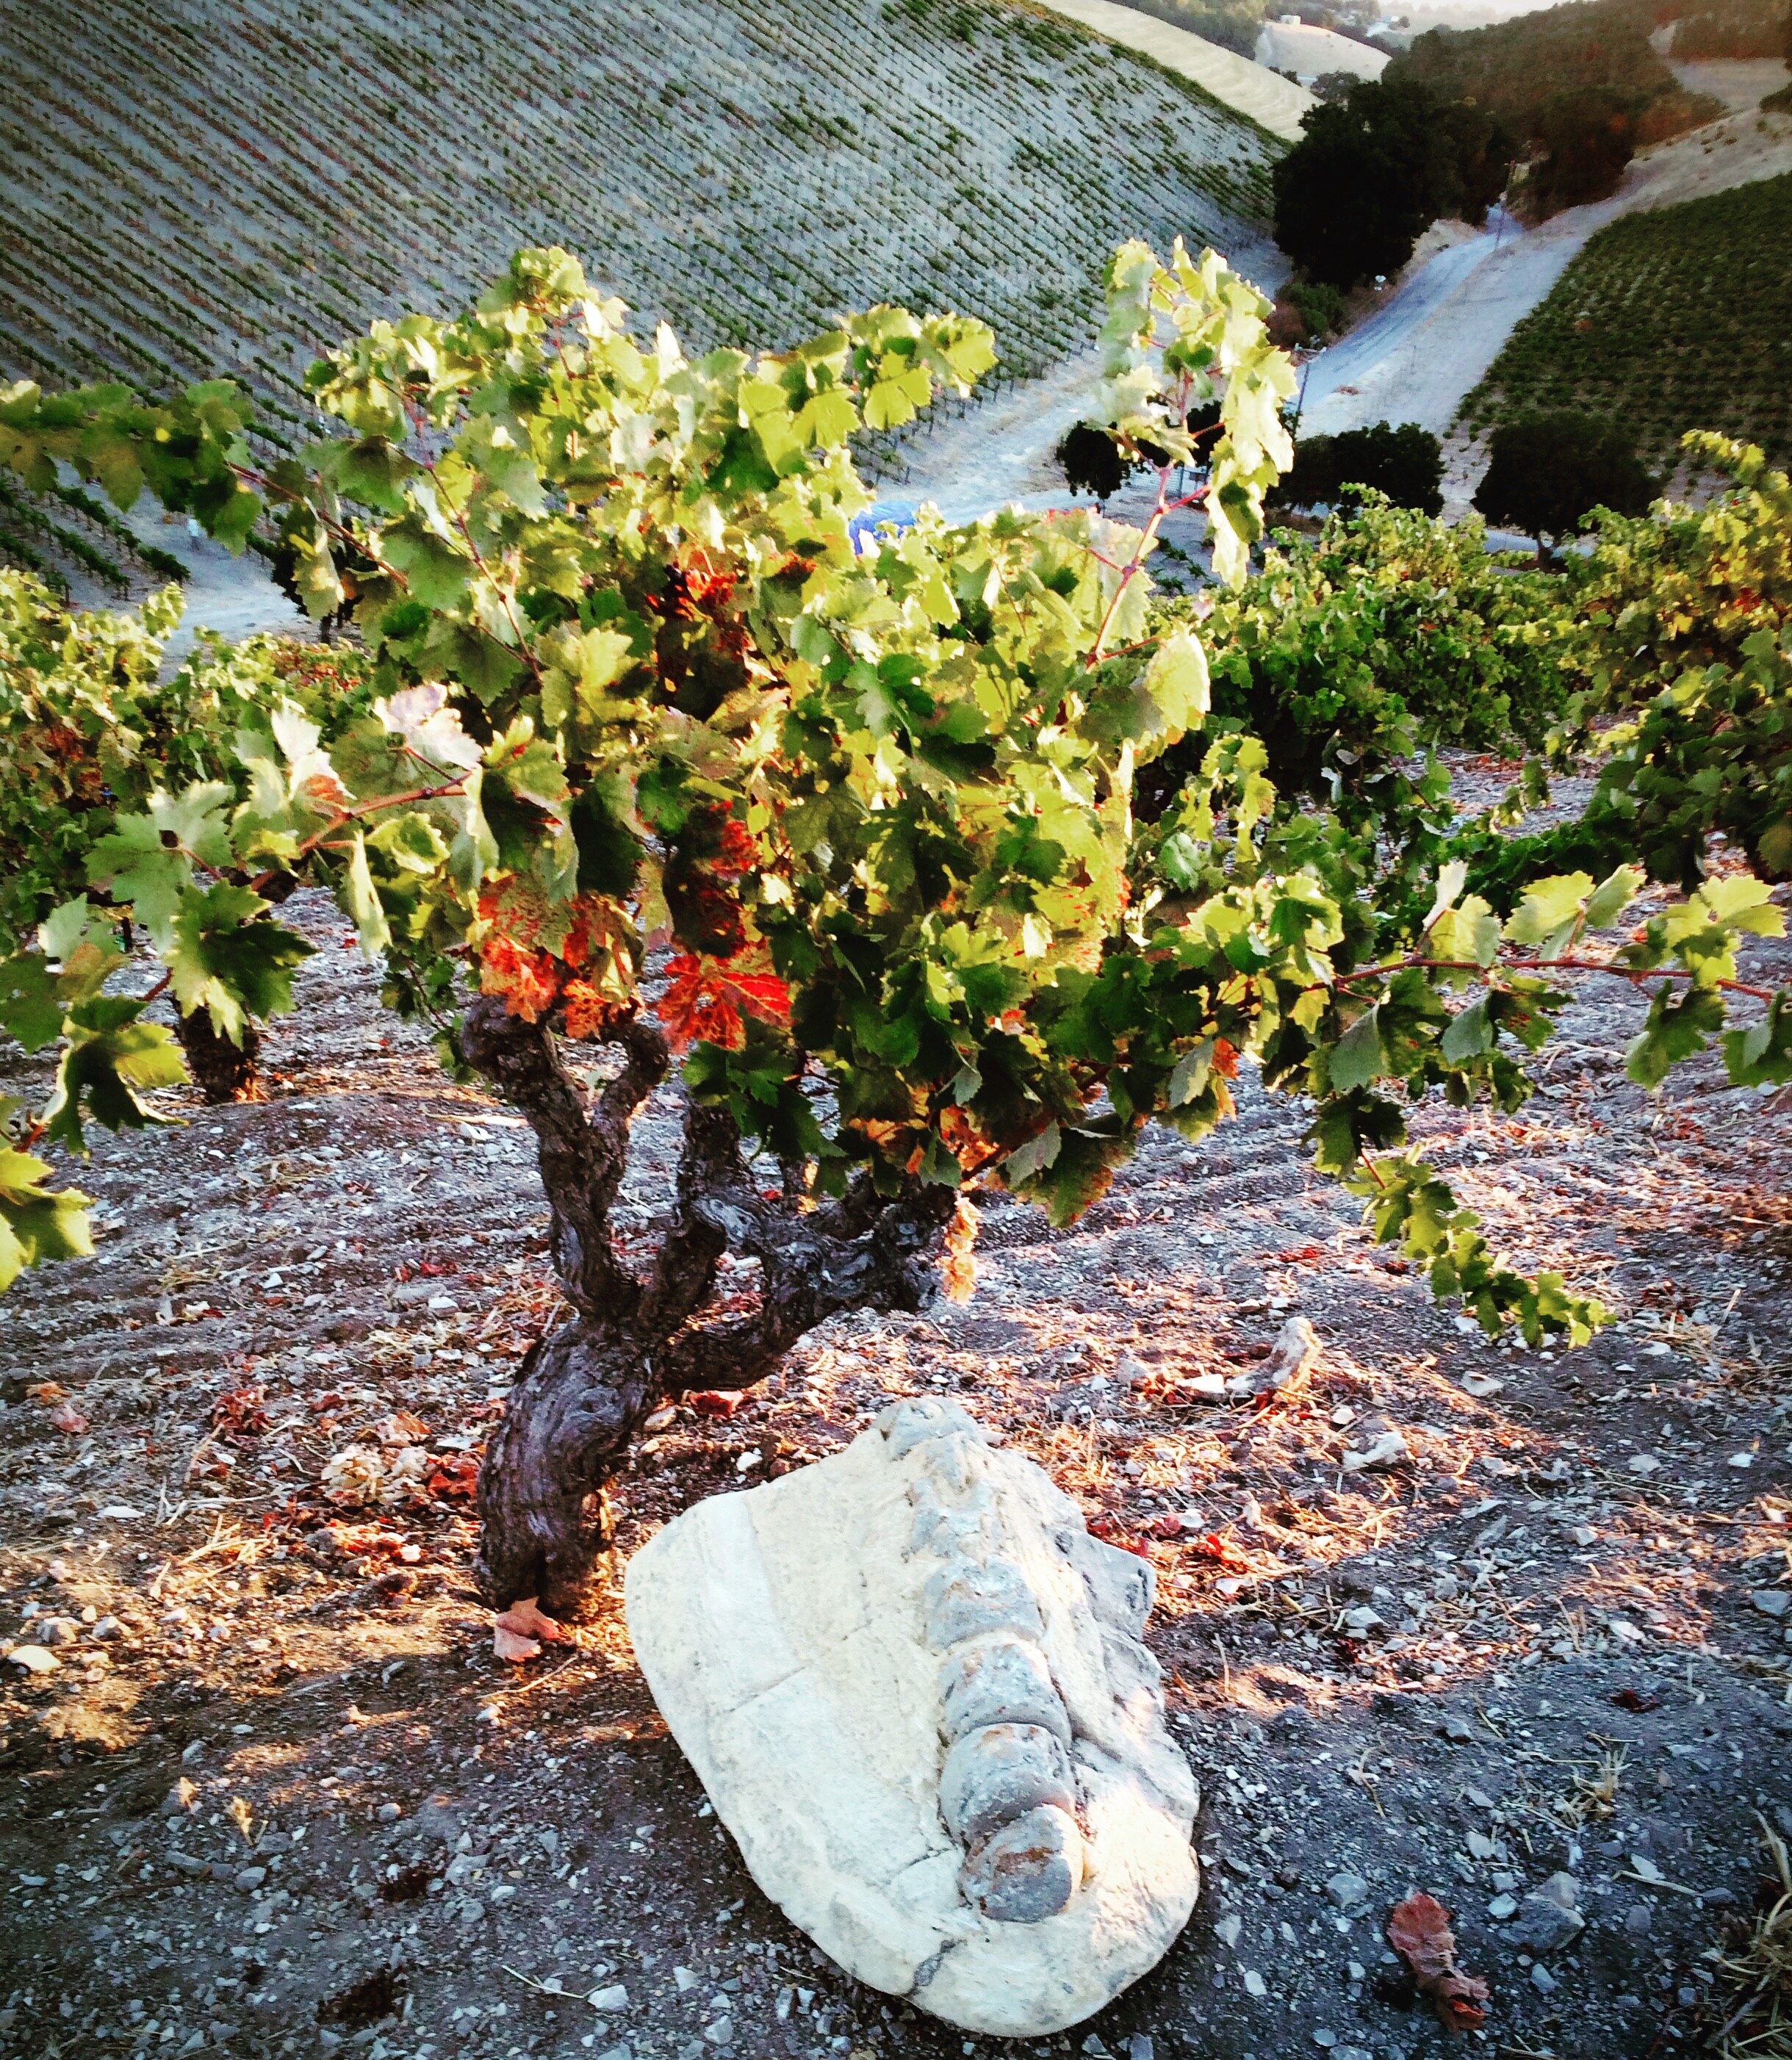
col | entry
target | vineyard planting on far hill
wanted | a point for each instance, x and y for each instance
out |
(1667, 322)
(742, 171)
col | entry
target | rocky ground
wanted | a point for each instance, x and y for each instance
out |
(266, 1788)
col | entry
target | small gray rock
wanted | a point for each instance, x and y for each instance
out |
(249, 1879)
(188, 1864)
(611, 2001)
(1347, 1890)
(1542, 1980)
(1562, 1890)
(1543, 1925)
(1772, 1602)
(1638, 1919)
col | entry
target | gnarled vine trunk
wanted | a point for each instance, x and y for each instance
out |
(221, 1070)
(635, 1341)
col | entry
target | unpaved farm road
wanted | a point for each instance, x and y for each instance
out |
(1415, 359)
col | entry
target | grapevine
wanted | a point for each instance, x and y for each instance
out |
(654, 752)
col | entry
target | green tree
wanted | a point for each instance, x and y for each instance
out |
(1584, 138)
(1092, 461)
(1369, 175)
(1405, 464)
(1548, 472)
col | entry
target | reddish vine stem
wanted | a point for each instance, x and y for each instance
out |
(349, 814)
(1634, 974)
(1147, 536)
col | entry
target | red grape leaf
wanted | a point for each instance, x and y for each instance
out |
(1418, 1931)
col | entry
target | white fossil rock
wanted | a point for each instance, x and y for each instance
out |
(913, 1685)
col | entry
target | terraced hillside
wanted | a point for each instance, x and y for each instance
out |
(1678, 319)
(193, 182)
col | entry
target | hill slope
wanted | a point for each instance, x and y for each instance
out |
(1515, 67)
(1674, 320)
(291, 170)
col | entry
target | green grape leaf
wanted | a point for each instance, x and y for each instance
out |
(148, 860)
(1178, 680)
(361, 900)
(84, 943)
(1465, 936)
(1470, 1033)
(410, 841)
(1677, 1026)
(1613, 895)
(1027, 1162)
(31, 1000)
(1550, 913)
(226, 960)
(827, 418)
(1358, 1058)
(1761, 1056)
(110, 1059)
(38, 1223)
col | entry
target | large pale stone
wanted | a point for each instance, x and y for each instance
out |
(912, 1684)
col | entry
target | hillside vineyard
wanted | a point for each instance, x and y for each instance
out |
(236, 183)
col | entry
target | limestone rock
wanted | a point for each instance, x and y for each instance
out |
(912, 1685)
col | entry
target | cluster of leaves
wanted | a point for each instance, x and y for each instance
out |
(90, 728)
(1308, 310)
(1675, 633)
(1387, 637)
(635, 676)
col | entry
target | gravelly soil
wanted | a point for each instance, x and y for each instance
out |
(295, 1801)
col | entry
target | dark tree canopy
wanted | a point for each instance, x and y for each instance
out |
(1515, 68)
(1586, 138)
(1099, 461)
(1370, 173)
(1483, 145)
(1092, 461)
(1550, 471)
(1406, 464)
